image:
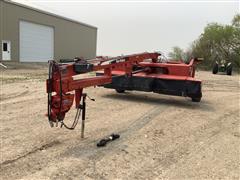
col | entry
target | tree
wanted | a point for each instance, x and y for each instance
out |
(219, 42)
(236, 20)
(177, 53)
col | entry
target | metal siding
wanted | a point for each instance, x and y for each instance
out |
(70, 39)
(36, 42)
(1, 28)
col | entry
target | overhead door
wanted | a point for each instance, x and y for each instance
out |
(36, 42)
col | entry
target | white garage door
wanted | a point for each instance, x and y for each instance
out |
(36, 42)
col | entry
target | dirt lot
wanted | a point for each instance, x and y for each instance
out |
(162, 137)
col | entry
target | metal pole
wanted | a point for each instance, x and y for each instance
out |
(83, 114)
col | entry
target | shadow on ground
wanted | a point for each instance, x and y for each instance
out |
(182, 102)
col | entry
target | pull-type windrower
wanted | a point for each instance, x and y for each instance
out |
(143, 72)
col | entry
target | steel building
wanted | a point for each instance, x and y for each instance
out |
(32, 35)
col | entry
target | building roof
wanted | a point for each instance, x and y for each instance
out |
(49, 13)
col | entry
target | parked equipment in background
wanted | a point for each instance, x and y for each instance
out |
(222, 66)
(142, 72)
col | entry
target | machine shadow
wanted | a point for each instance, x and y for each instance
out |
(160, 99)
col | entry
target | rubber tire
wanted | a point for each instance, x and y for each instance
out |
(229, 70)
(215, 69)
(196, 99)
(120, 90)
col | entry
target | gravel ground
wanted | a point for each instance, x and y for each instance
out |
(162, 137)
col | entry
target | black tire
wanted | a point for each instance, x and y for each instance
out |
(120, 90)
(215, 69)
(196, 99)
(229, 70)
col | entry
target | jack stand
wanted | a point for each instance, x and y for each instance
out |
(83, 107)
